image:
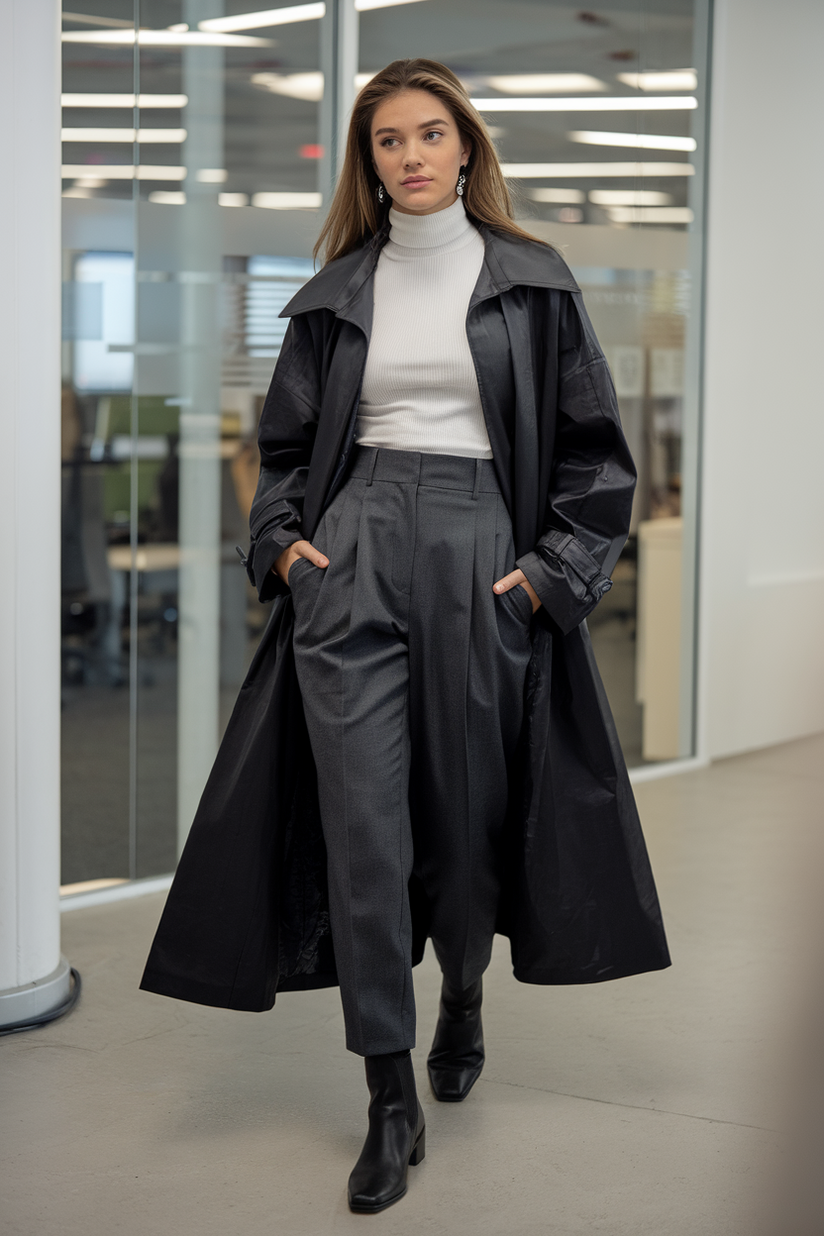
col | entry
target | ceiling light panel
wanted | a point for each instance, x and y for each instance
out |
(122, 171)
(650, 214)
(157, 136)
(629, 197)
(364, 5)
(287, 201)
(674, 79)
(640, 141)
(124, 100)
(593, 171)
(168, 197)
(566, 197)
(265, 17)
(623, 103)
(87, 19)
(162, 38)
(544, 83)
(306, 86)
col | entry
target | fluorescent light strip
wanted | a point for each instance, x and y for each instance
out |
(162, 38)
(640, 141)
(170, 136)
(307, 86)
(86, 19)
(629, 197)
(168, 197)
(267, 17)
(541, 83)
(594, 171)
(124, 100)
(176, 197)
(564, 197)
(675, 79)
(364, 5)
(122, 171)
(626, 103)
(287, 15)
(650, 214)
(287, 201)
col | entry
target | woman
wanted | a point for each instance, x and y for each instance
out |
(422, 747)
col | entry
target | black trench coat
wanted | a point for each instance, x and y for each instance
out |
(247, 914)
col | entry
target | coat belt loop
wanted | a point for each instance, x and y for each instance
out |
(372, 466)
(478, 467)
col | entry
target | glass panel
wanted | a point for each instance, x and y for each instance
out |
(219, 252)
(193, 177)
(191, 171)
(97, 372)
(597, 121)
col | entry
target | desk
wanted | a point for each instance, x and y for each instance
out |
(658, 663)
(147, 557)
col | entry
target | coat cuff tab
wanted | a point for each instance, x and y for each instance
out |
(568, 580)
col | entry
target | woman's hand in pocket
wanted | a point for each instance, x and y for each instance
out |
(300, 549)
(511, 581)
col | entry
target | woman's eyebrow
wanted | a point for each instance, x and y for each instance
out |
(428, 125)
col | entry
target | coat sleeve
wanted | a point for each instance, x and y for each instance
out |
(591, 483)
(288, 424)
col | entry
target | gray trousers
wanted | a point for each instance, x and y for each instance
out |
(412, 673)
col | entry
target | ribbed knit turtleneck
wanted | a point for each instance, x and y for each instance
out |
(429, 234)
(420, 392)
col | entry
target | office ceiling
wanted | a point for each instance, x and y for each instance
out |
(268, 136)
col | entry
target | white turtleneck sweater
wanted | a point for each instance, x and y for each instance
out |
(420, 392)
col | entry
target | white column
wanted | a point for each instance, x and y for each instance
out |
(762, 548)
(199, 531)
(339, 64)
(34, 978)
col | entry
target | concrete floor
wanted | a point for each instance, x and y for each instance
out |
(645, 1106)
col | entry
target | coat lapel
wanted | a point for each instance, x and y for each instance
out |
(344, 285)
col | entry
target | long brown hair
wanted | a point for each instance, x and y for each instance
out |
(356, 214)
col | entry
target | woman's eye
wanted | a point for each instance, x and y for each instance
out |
(433, 133)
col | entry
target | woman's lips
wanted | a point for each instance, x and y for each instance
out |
(415, 184)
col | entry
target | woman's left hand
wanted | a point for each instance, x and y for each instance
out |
(514, 578)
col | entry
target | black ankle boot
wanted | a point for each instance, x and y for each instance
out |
(457, 1056)
(396, 1137)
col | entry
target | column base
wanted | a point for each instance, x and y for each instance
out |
(19, 1005)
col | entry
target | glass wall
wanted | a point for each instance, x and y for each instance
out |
(197, 164)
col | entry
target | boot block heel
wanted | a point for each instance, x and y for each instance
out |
(418, 1150)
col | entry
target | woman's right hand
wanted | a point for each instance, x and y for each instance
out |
(300, 549)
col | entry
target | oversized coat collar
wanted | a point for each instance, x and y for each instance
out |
(508, 262)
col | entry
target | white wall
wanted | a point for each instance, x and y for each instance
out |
(762, 552)
(33, 979)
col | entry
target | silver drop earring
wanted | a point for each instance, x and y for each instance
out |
(381, 194)
(459, 187)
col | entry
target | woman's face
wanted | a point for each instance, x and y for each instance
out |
(417, 152)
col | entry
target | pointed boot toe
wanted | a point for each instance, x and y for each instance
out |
(396, 1139)
(457, 1057)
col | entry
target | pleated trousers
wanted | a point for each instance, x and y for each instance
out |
(412, 675)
